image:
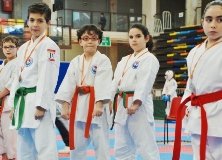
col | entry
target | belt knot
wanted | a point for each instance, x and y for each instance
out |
(194, 100)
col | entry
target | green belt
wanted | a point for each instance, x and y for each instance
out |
(123, 95)
(21, 92)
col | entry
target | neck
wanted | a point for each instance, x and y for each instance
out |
(88, 56)
(9, 59)
(211, 43)
(137, 52)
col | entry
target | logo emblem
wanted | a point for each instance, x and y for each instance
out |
(51, 54)
(94, 68)
(29, 62)
(135, 65)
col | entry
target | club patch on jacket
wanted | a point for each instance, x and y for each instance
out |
(51, 54)
(28, 62)
(94, 68)
(135, 65)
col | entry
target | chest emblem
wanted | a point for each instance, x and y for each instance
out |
(135, 65)
(29, 62)
(93, 69)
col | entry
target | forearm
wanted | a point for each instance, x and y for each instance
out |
(4, 92)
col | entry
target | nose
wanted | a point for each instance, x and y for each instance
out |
(213, 24)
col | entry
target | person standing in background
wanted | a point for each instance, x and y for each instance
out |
(102, 21)
(169, 90)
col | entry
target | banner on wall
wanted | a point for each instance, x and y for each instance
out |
(7, 5)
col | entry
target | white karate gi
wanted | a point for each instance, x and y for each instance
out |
(206, 79)
(98, 74)
(7, 136)
(170, 88)
(135, 133)
(37, 138)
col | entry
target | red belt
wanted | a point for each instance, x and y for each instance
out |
(199, 101)
(81, 90)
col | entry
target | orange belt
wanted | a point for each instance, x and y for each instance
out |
(196, 100)
(2, 105)
(81, 90)
(125, 95)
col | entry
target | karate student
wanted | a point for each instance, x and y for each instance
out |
(169, 89)
(86, 91)
(133, 82)
(10, 46)
(204, 90)
(33, 89)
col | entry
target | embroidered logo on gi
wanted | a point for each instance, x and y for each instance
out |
(51, 54)
(135, 65)
(29, 62)
(94, 68)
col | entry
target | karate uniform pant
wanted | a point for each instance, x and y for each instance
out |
(7, 136)
(213, 148)
(38, 143)
(137, 135)
(98, 138)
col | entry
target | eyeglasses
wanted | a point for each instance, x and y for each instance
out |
(88, 38)
(9, 47)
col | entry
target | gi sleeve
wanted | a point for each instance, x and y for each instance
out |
(145, 78)
(103, 80)
(48, 71)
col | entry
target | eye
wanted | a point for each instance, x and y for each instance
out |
(208, 19)
(94, 38)
(130, 37)
(31, 20)
(40, 20)
(219, 19)
(85, 38)
(138, 36)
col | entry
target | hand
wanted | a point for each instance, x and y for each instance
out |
(11, 114)
(39, 113)
(65, 111)
(98, 109)
(134, 107)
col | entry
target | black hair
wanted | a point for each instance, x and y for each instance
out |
(12, 39)
(41, 8)
(213, 3)
(90, 28)
(146, 33)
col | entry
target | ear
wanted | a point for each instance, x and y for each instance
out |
(202, 21)
(147, 38)
(80, 42)
(49, 22)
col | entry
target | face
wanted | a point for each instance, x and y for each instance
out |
(89, 42)
(212, 23)
(37, 24)
(137, 40)
(9, 50)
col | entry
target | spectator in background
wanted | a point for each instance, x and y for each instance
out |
(169, 89)
(102, 22)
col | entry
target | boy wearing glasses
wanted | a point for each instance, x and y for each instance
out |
(84, 95)
(33, 88)
(7, 137)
